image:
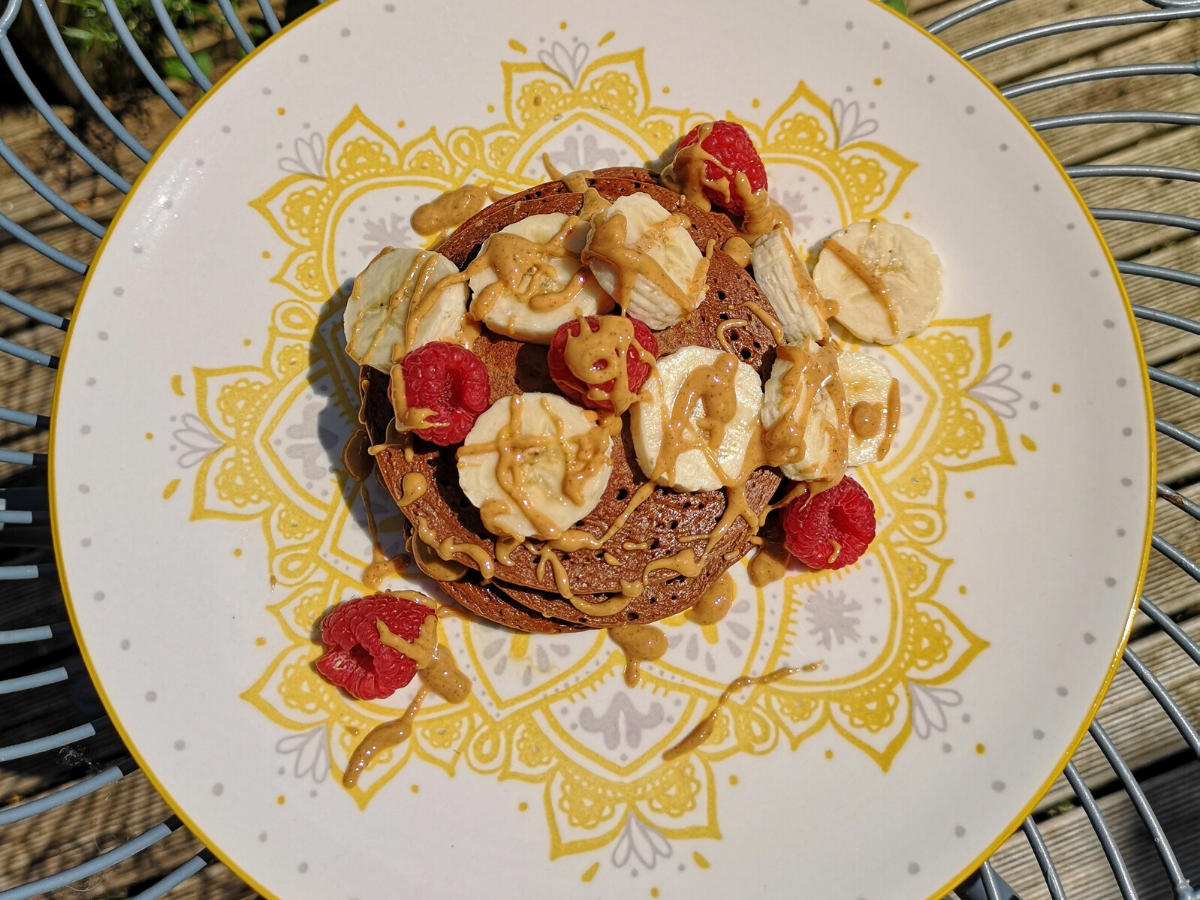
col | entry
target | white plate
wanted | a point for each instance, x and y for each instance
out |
(202, 526)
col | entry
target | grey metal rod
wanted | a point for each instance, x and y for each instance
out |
(1168, 625)
(1173, 710)
(1041, 853)
(1099, 74)
(1107, 842)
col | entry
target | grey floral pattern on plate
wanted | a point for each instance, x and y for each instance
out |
(642, 842)
(609, 724)
(996, 393)
(829, 615)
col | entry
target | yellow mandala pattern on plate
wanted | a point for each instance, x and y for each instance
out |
(552, 710)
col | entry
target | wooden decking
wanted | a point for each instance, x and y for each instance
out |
(1171, 776)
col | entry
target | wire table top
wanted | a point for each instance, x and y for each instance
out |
(1125, 796)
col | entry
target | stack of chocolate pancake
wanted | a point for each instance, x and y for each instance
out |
(661, 527)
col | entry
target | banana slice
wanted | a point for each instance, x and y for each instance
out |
(534, 465)
(377, 312)
(699, 413)
(873, 407)
(885, 279)
(803, 414)
(644, 257)
(784, 278)
(567, 294)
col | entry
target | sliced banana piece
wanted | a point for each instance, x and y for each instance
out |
(783, 277)
(534, 465)
(645, 258)
(377, 312)
(873, 407)
(566, 294)
(885, 279)
(803, 414)
(697, 417)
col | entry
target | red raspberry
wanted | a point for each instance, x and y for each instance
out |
(637, 370)
(450, 380)
(355, 659)
(831, 530)
(731, 146)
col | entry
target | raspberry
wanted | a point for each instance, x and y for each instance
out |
(637, 370)
(833, 529)
(450, 380)
(355, 659)
(731, 146)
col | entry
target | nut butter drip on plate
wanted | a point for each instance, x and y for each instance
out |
(597, 357)
(703, 731)
(451, 209)
(714, 604)
(769, 563)
(438, 674)
(639, 643)
(358, 464)
(867, 275)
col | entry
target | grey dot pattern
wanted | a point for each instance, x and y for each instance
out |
(83, 489)
(1089, 638)
(959, 831)
(1038, 734)
(1109, 323)
(103, 335)
(262, 837)
(91, 382)
(913, 868)
(998, 786)
(1110, 581)
(218, 789)
(118, 290)
(86, 542)
(137, 248)
(345, 32)
(125, 644)
(1121, 382)
(225, 129)
(970, 110)
(303, 867)
(179, 745)
(85, 429)
(151, 696)
(303, 57)
(389, 7)
(266, 92)
(98, 596)
(1061, 691)
(1127, 482)
(1004, 148)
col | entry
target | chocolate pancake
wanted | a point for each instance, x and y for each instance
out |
(488, 603)
(513, 367)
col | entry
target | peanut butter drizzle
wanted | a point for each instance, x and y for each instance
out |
(688, 173)
(607, 243)
(382, 737)
(423, 261)
(601, 356)
(438, 674)
(358, 463)
(863, 273)
(737, 249)
(715, 602)
(592, 204)
(723, 334)
(404, 417)
(811, 372)
(356, 457)
(429, 562)
(450, 209)
(412, 488)
(893, 420)
(808, 288)
(769, 321)
(769, 563)
(639, 643)
(381, 566)
(446, 549)
(703, 731)
(585, 456)
(521, 267)
(866, 419)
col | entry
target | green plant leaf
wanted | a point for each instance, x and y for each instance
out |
(898, 5)
(204, 61)
(174, 68)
